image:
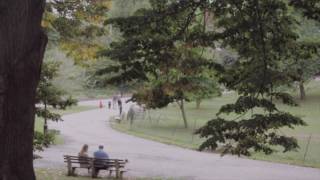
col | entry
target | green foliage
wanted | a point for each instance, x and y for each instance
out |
(125, 8)
(154, 52)
(310, 8)
(261, 33)
(305, 63)
(250, 134)
(73, 79)
(159, 48)
(40, 140)
(157, 52)
(77, 27)
(49, 95)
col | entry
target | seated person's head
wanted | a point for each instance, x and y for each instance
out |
(100, 147)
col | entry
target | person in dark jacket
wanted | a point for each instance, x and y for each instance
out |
(100, 154)
(120, 106)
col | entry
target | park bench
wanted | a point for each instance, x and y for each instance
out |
(111, 165)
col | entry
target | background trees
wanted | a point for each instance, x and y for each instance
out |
(77, 27)
(305, 65)
(305, 62)
(156, 52)
(310, 8)
(49, 96)
(260, 32)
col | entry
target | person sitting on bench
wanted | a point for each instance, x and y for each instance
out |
(100, 154)
(84, 151)
(83, 154)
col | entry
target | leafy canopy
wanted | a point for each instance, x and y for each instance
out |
(77, 27)
(260, 31)
(160, 49)
(155, 50)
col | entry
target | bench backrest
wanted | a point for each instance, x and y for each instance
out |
(86, 161)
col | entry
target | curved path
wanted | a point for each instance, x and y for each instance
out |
(152, 159)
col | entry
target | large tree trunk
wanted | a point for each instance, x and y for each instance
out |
(183, 112)
(302, 91)
(22, 45)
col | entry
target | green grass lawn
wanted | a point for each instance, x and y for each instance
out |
(50, 174)
(165, 125)
(74, 109)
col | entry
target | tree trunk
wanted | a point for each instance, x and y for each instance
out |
(183, 112)
(45, 125)
(302, 91)
(22, 45)
(198, 102)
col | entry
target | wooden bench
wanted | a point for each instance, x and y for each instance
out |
(111, 165)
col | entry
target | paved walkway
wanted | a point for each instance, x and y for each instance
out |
(152, 159)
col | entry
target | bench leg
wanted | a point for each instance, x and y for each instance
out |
(71, 171)
(121, 174)
(69, 167)
(117, 169)
(117, 174)
(94, 173)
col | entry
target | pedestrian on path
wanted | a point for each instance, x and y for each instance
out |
(109, 104)
(120, 106)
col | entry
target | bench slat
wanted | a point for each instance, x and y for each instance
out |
(89, 158)
(88, 162)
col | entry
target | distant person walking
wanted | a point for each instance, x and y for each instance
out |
(109, 104)
(115, 99)
(120, 106)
